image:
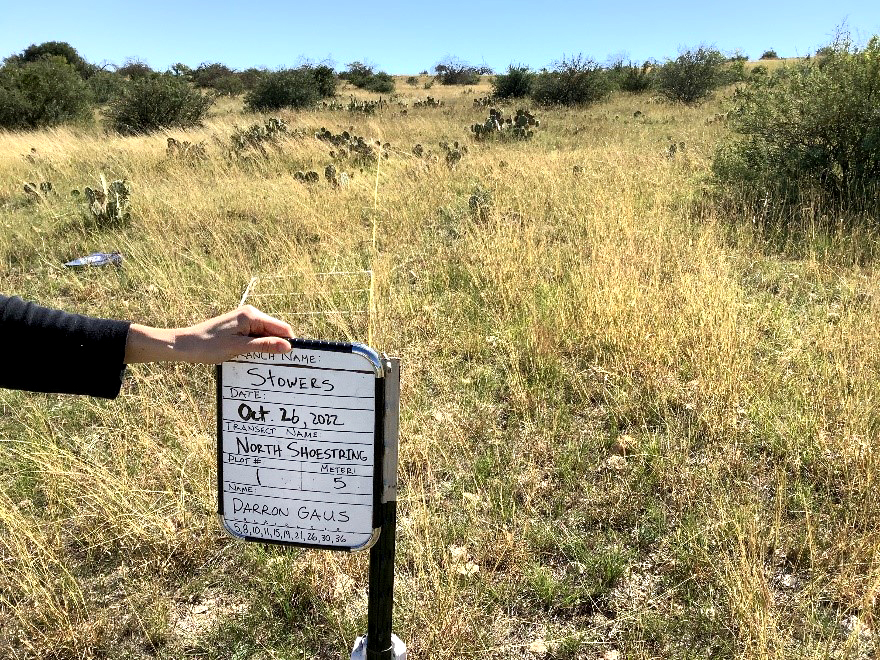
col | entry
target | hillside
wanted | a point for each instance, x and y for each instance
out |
(630, 421)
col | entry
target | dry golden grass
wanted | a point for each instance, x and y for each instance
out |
(628, 423)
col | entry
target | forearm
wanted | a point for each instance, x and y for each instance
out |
(47, 350)
(146, 344)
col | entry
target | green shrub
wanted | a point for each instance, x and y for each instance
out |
(809, 128)
(209, 74)
(181, 70)
(44, 92)
(134, 69)
(290, 88)
(356, 73)
(250, 77)
(324, 77)
(575, 81)
(514, 84)
(630, 77)
(732, 71)
(452, 71)
(105, 86)
(769, 55)
(230, 85)
(693, 75)
(381, 82)
(217, 77)
(363, 76)
(157, 101)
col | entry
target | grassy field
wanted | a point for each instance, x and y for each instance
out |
(630, 422)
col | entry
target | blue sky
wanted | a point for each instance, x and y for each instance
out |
(407, 37)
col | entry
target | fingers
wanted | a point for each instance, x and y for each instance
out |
(259, 323)
(268, 345)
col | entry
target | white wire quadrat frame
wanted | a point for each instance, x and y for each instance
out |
(251, 296)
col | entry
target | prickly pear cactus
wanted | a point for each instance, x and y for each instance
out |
(480, 203)
(253, 141)
(454, 152)
(354, 147)
(110, 205)
(496, 125)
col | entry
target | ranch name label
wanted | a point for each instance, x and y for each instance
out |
(297, 446)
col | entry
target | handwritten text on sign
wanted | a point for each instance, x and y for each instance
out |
(297, 447)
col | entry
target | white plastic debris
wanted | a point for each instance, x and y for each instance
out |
(96, 259)
(359, 651)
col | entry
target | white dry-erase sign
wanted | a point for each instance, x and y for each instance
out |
(300, 446)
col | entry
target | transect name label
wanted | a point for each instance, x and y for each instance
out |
(297, 439)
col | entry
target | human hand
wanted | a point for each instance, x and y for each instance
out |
(242, 330)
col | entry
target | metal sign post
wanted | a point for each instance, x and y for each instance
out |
(381, 644)
(307, 456)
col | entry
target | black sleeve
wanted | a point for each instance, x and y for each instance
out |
(47, 350)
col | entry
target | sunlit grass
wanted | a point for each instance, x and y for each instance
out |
(628, 422)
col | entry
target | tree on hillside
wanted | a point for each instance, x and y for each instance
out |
(356, 71)
(291, 88)
(250, 77)
(157, 101)
(63, 49)
(44, 92)
(693, 75)
(207, 74)
(134, 68)
(218, 77)
(106, 86)
(629, 76)
(180, 70)
(453, 71)
(516, 83)
(325, 78)
(364, 76)
(572, 81)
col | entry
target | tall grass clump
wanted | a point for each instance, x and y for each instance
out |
(808, 131)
